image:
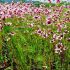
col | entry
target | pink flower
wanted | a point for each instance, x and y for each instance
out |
(37, 17)
(59, 27)
(44, 35)
(39, 31)
(59, 48)
(48, 21)
(49, 1)
(57, 1)
(46, 11)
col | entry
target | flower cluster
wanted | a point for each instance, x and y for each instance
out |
(59, 48)
(18, 9)
(51, 22)
(42, 33)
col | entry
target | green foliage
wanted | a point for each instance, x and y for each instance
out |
(37, 3)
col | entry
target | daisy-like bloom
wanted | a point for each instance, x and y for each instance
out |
(59, 27)
(61, 35)
(44, 35)
(12, 33)
(37, 17)
(58, 37)
(59, 48)
(8, 24)
(31, 25)
(37, 10)
(52, 41)
(46, 11)
(68, 39)
(48, 21)
(66, 31)
(54, 36)
(39, 31)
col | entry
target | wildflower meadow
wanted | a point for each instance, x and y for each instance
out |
(34, 37)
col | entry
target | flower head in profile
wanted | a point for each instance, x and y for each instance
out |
(12, 33)
(37, 17)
